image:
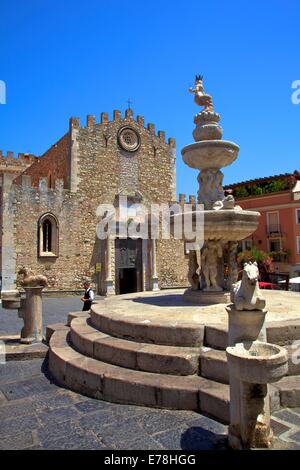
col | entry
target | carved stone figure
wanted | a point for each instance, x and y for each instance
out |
(31, 280)
(210, 187)
(193, 276)
(201, 98)
(227, 203)
(211, 252)
(245, 294)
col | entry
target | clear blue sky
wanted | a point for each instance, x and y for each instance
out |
(64, 58)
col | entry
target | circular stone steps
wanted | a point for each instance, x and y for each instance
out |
(130, 354)
(146, 351)
(133, 328)
(117, 384)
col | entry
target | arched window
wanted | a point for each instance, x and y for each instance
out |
(48, 236)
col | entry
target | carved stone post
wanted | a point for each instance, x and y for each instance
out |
(31, 312)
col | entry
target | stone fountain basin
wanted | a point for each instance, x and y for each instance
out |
(210, 154)
(257, 362)
(229, 224)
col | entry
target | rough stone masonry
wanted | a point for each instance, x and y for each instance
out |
(49, 204)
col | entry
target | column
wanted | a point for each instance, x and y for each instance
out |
(110, 290)
(154, 278)
(32, 330)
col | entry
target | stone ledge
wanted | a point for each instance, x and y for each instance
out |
(15, 351)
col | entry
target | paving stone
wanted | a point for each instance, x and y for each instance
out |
(52, 430)
(288, 416)
(90, 406)
(121, 432)
(73, 440)
(157, 422)
(278, 428)
(147, 443)
(96, 421)
(21, 407)
(17, 441)
(58, 415)
(295, 436)
(29, 387)
(13, 371)
(48, 401)
(10, 427)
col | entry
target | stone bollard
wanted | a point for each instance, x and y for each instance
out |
(243, 325)
(31, 312)
(252, 365)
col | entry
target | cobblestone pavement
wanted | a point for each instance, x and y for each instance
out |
(55, 310)
(37, 414)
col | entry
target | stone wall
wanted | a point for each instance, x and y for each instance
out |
(53, 164)
(89, 168)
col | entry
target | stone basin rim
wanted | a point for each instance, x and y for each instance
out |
(210, 143)
(279, 357)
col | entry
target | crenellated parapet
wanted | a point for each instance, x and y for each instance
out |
(9, 163)
(91, 122)
(19, 159)
(182, 199)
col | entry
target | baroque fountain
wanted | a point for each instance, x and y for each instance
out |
(224, 222)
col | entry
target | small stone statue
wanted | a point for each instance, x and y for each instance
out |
(245, 294)
(201, 98)
(31, 280)
(209, 261)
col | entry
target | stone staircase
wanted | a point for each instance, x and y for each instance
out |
(158, 365)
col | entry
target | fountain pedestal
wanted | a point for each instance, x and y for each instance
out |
(252, 365)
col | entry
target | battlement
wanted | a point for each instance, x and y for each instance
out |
(74, 123)
(22, 159)
(25, 181)
(182, 199)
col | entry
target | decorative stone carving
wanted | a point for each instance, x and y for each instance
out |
(227, 203)
(201, 98)
(210, 187)
(245, 294)
(193, 275)
(31, 280)
(209, 262)
(207, 127)
(128, 139)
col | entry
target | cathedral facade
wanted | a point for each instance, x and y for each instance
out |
(49, 208)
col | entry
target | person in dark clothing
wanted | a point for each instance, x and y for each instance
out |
(88, 297)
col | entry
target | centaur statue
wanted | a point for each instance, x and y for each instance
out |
(201, 98)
